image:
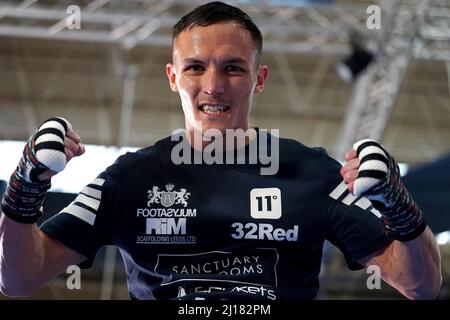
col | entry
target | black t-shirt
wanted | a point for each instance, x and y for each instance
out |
(220, 231)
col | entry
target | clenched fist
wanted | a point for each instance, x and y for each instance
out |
(46, 153)
(67, 145)
(370, 171)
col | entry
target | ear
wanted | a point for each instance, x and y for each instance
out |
(261, 77)
(171, 74)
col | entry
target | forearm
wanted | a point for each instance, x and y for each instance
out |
(411, 263)
(28, 258)
(415, 267)
(21, 257)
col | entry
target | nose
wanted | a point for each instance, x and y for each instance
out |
(213, 82)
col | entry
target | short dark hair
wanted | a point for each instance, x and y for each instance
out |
(216, 12)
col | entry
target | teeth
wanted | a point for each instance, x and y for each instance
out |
(213, 109)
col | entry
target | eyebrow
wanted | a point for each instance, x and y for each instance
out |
(191, 61)
(232, 60)
(236, 60)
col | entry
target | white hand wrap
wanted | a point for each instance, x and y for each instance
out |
(373, 168)
(44, 150)
(379, 180)
(49, 143)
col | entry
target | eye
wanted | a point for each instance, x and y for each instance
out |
(233, 68)
(195, 68)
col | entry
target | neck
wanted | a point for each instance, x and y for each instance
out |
(231, 139)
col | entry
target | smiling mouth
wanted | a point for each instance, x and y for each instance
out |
(214, 109)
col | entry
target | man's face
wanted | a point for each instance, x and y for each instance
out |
(215, 72)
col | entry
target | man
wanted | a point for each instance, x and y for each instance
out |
(217, 231)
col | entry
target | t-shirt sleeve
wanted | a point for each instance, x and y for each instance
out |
(354, 225)
(85, 224)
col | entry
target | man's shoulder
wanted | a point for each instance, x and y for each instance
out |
(293, 146)
(149, 154)
(306, 161)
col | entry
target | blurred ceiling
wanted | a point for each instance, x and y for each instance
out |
(108, 78)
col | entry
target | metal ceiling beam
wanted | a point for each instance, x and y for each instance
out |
(376, 91)
(24, 89)
(437, 50)
(296, 100)
(126, 111)
(322, 29)
(315, 84)
(160, 40)
(447, 65)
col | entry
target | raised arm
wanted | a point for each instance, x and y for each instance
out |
(411, 263)
(28, 257)
(412, 267)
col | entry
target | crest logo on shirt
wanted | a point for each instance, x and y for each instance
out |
(168, 198)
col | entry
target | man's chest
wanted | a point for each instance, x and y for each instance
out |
(219, 210)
